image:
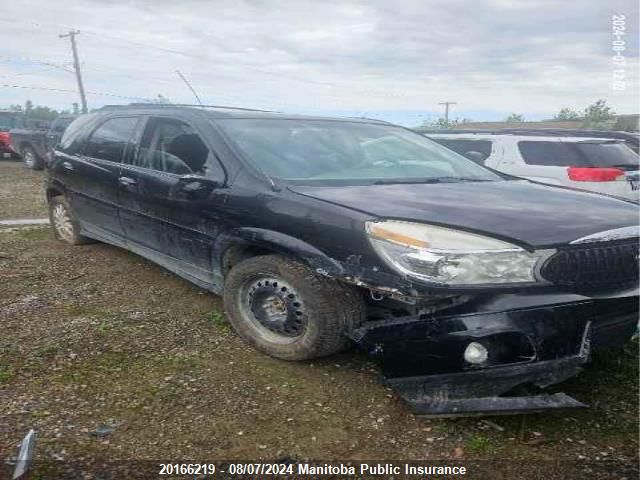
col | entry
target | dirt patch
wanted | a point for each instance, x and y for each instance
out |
(97, 336)
(21, 191)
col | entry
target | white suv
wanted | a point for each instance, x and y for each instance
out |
(596, 164)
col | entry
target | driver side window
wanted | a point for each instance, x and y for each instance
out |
(171, 146)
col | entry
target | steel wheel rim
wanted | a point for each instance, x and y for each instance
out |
(274, 308)
(62, 222)
(29, 158)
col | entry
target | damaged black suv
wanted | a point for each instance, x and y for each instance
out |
(464, 283)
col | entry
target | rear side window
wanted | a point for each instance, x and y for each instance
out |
(110, 139)
(578, 154)
(463, 147)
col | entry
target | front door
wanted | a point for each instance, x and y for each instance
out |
(161, 213)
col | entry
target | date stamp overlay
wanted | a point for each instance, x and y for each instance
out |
(618, 47)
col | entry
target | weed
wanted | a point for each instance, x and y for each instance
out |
(479, 444)
(103, 327)
(218, 320)
(5, 374)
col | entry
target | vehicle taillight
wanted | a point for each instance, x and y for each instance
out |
(5, 138)
(595, 174)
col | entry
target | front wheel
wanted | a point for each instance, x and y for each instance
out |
(31, 159)
(286, 310)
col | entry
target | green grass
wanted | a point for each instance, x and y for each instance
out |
(479, 444)
(218, 320)
(38, 233)
(6, 374)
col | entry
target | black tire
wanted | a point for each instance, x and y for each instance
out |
(328, 309)
(68, 231)
(31, 159)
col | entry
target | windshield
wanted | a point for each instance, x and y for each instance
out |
(325, 151)
(588, 153)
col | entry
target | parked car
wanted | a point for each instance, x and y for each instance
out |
(35, 144)
(602, 165)
(462, 282)
(9, 119)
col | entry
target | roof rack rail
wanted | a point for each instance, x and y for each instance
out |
(372, 119)
(225, 107)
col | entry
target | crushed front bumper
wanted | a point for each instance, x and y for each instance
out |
(532, 340)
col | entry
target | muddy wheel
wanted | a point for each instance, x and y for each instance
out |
(64, 225)
(31, 159)
(287, 311)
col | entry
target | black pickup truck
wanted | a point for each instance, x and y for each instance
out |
(9, 120)
(34, 144)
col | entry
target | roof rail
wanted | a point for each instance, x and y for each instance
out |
(372, 119)
(168, 105)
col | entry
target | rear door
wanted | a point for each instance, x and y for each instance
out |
(91, 176)
(514, 162)
(162, 214)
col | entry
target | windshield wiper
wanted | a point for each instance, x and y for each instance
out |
(392, 181)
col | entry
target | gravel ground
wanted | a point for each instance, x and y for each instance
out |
(21, 191)
(95, 336)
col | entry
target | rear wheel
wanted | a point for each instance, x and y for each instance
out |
(31, 159)
(65, 226)
(287, 311)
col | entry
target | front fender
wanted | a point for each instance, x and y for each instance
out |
(277, 242)
(55, 187)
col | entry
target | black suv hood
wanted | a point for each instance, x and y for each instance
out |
(528, 213)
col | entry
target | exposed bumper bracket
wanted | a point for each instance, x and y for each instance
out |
(466, 407)
(478, 393)
(421, 357)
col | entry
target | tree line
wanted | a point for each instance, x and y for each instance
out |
(596, 116)
(42, 112)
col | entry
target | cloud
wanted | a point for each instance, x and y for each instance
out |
(375, 56)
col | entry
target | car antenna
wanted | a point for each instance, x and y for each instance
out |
(190, 87)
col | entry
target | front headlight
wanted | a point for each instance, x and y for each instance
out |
(451, 257)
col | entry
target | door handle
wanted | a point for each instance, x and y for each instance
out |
(67, 166)
(127, 181)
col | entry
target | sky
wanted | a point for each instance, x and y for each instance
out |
(394, 60)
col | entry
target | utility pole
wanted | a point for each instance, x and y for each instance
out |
(76, 64)
(446, 109)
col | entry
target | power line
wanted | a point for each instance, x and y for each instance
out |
(200, 57)
(32, 72)
(62, 90)
(30, 59)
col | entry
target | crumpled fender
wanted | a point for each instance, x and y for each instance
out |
(278, 242)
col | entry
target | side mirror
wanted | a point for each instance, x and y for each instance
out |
(196, 184)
